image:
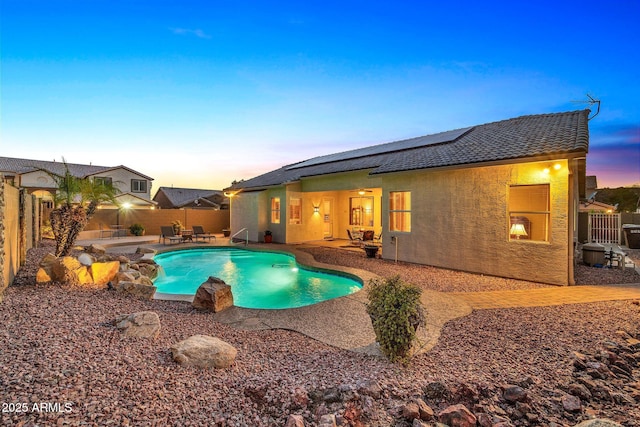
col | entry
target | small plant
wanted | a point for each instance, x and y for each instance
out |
(177, 226)
(267, 233)
(137, 229)
(396, 313)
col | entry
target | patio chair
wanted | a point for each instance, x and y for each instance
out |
(355, 241)
(167, 233)
(199, 233)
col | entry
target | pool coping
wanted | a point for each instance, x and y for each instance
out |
(341, 322)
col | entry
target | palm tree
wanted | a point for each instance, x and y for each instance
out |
(76, 201)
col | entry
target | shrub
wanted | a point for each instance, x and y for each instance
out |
(136, 229)
(395, 311)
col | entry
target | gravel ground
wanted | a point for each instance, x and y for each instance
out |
(57, 347)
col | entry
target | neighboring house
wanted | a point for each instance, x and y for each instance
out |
(596, 206)
(458, 199)
(134, 187)
(176, 198)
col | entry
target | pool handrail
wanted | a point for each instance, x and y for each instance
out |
(240, 231)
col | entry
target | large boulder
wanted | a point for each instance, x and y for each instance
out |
(144, 324)
(65, 270)
(213, 295)
(136, 289)
(104, 272)
(204, 351)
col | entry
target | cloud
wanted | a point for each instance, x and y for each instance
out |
(187, 31)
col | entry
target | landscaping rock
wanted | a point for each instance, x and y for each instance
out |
(143, 250)
(86, 259)
(64, 270)
(426, 413)
(136, 289)
(514, 393)
(571, 403)
(294, 421)
(214, 295)
(328, 420)
(457, 415)
(204, 352)
(104, 272)
(598, 423)
(144, 324)
(410, 411)
(96, 249)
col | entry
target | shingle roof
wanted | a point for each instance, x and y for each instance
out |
(182, 196)
(512, 139)
(22, 166)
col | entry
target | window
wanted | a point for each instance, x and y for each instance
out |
(529, 212)
(361, 209)
(275, 210)
(103, 180)
(400, 211)
(295, 211)
(10, 179)
(138, 186)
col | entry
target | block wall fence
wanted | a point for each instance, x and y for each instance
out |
(19, 231)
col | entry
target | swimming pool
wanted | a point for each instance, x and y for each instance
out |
(258, 279)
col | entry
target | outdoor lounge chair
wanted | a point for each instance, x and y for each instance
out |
(167, 233)
(199, 233)
(357, 241)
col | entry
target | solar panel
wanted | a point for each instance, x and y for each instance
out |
(389, 147)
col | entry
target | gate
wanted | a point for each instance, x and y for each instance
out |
(605, 228)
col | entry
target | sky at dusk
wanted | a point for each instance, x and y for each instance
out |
(200, 93)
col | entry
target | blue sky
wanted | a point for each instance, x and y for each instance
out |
(199, 93)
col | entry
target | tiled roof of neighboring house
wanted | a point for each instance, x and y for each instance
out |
(518, 138)
(183, 196)
(22, 166)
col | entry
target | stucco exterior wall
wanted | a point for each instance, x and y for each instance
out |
(250, 210)
(460, 220)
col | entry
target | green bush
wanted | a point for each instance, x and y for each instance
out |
(137, 229)
(395, 311)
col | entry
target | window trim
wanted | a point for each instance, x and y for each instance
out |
(133, 190)
(275, 211)
(524, 212)
(297, 218)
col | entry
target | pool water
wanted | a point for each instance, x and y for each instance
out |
(257, 279)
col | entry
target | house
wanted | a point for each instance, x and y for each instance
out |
(176, 198)
(134, 187)
(499, 198)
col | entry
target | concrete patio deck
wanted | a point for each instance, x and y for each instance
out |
(344, 323)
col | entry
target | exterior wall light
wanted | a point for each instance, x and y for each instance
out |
(316, 209)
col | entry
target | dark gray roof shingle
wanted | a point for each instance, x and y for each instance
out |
(181, 196)
(517, 138)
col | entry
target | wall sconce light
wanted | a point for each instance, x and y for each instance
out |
(316, 209)
(517, 230)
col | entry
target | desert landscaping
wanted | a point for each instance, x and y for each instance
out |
(556, 365)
